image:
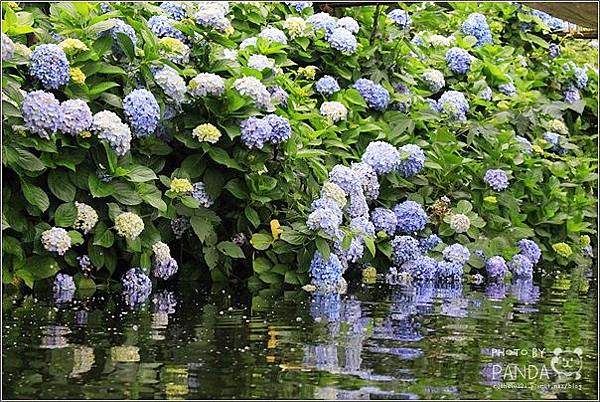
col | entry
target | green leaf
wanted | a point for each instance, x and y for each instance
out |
(60, 185)
(76, 238)
(370, 243)
(65, 215)
(291, 236)
(463, 207)
(230, 249)
(28, 161)
(126, 45)
(35, 196)
(211, 257)
(41, 267)
(323, 247)
(261, 264)
(103, 237)
(126, 194)
(201, 226)
(261, 241)
(138, 174)
(221, 156)
(252, 216)
(270, 278)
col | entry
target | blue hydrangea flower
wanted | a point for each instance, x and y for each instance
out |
(580, 77)
(85, 263)
(412, 160)
(172, 84)
(136, 286)
(508, 89)
(199, 194)
(554, 50)
(384, 220)
(455, 104)
(213, 14)
(524, 144)
(572, 95)
(376, 96)
(327, 85)
(8, 47)
(162, 27)
(382, 156)
(402, 106)
(142, 111)
(254, 89)
(174, 10)
(76, 117)
(280, 128)
(124, 28)
(353, 253)
(348, 23)
(456, 253)
(274, 35)
(486, 94)
(255, 132)
(496, 267)
(477, 26)
(251, 41)
(434, 80)
(368, 179)
(363, 226)
(400, 17)
(459, 60)
(299, 5)
(496, 179)
(411, 216)
(105, 7)
(521, 266)
(429, 243)
(326, 219)
(64, 282)
(346, 178)
(358, 205)
(530, 249)
(556, 24)
(206, 84)
(341, 39)
(260, 62)
(322, 21)
(325, 274)
(421, 268)
(49, 64)
(404, 248)
(165, 268)
(449, 270)
(42, 113)
(278, 96)
(110, 128)
(324, 203)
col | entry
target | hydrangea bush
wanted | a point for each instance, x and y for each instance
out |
(280, 144)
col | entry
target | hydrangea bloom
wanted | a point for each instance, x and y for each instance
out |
(496, 179)
(400, 17)
(530, 249)
(176, 50)
(333, 191)
(296, 26)
(63, 282)
(49, 64)
(524, 144)
(85, 263)
(434, 80)
(412, 160)
(171, 83)
(136, 286)
(75, 117)
(456, 253)
(508, 89)
(496, 267)
(8, 47)
(86, 217)
(405, 248)
(411, 216)
(207, 132)
(255, 132)
(556, 24)
(341, 39)
(274, 35)
(248, 42)
(459, 60)
(460, 223)
(56, 240)
(555, 140)
(486, 94)
(383, 157)
(165, 266)
(129, 225)
(42, 113)
(358, 205)
(441, 40)
(162, 27)
(326, 274)
(110, 128)
(368, 179)
(142, 111)
(121, 27)
(326, 215)
(572, 95)
(353, 253)
(174, 9)
(322, 21)
(449, 270)
(363, 226)
(72, 46)
(376, 96)
(278, 96)
(521, 266)
(179, 226)
(477, 26)
(206, 84)
(254, 89)
(213, 14)
(260, 62)
(180, 185)
(421, 268)
(346, 178)
(327, 85)
(554, 50)
(299, 5)
(199, 194)
(455, 104)
(349, 23)
(429, 243)
(280, 128)
(384, 220)
(334, 111)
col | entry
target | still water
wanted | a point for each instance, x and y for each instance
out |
(376, 342)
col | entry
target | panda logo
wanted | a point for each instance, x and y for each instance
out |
(567, 362)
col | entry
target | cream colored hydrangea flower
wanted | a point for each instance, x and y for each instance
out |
(181, 186)
(207, 132)
(129, 225)
(86, 217)
(334, 192)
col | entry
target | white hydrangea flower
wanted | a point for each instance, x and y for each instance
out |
(335, 111)
(129, 225)
(86, 217)
(56, 240)
(460, 223)
(162, 252)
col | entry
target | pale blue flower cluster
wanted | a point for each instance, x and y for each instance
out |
(404, 248)
(496, 268)
(326, 215)
(49, 64)
(496, 179)
(455, 104)
(327, 85)
(174, 10)
(164, 267)
(271, 128)
(142, 111)
(299, 5)
(434, 80)
(521, 266)
(274, 35)
(109, 127)
(449, 270)
(56, 240)
(64, 282)
(530, 249)
(326, 274)
(136, 286)
(459, 60)
(348, 23)
(123, 28)
(384, 220)
(8, 47)
(260, 62)
(254, 89)
(206, 84)
(358, 205)
(552, 22)
(251, 41)
(486, 94)
(76, 117)
(421, 268)
(476, 25)
(162, 27)
(280, 128)
(213, 14)
(343, 40)
(368, 179)
(382, 156)
(346, 178)
(171, 83)
(376, 96)
(429, 243)
(554, 50)
(456, 253)
(412, 160)
(322, 21)
(199, 194)
(572, 95)
(508, 89)
(42, 113)
(278, 96)
(579, 75)
(411, 217)
(400, 17)
(524, 144)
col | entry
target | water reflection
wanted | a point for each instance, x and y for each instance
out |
(406, 341)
